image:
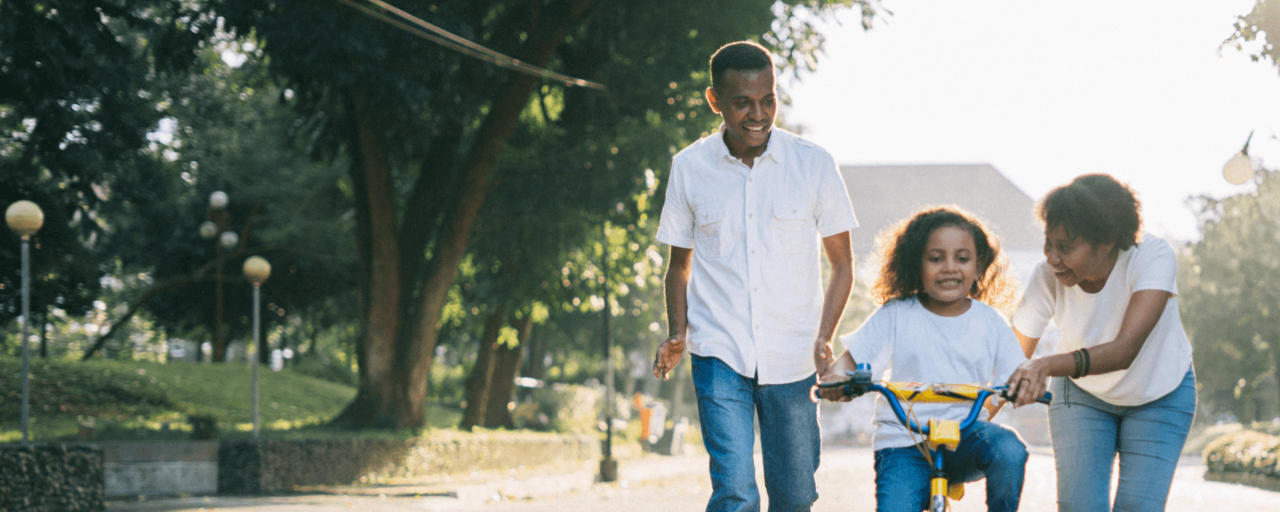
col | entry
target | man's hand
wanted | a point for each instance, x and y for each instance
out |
(823, 356)
(669, 354)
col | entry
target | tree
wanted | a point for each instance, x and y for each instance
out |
(1264, 21)
(425, 128)
(1230, 286)
(74, 111)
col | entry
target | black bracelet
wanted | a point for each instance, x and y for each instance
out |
(1079, 363)
(1085, 351)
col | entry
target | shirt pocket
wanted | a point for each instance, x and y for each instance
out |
(793, 226)
(708, 234)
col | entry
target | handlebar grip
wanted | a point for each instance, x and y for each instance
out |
(1048, 397)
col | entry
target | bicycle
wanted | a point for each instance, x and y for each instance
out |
(938, 434)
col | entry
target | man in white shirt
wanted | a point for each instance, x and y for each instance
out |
(745, 209)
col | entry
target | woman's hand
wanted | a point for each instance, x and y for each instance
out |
(669, 354)
(1029, 382)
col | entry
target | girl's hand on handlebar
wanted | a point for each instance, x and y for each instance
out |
(1028, 382)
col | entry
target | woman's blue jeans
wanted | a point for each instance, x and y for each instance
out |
(789, 438)
(986, 449)
(1088, 433)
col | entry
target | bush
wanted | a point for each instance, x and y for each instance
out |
(1245, 452)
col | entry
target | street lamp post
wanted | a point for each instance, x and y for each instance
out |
(215, 226)
(608, 466)
(25, 219)
(256, 269)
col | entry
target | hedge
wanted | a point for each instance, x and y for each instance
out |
(1247, 457)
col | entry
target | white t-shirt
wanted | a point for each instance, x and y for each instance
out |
(755, 286)
(977, 347)
(1090, 319)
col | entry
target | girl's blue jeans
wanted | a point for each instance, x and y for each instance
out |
(1088, 433)
(728, 403)
(986, 449)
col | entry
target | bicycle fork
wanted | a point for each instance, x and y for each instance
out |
(938, 485)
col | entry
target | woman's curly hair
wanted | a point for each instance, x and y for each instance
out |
(901, 248)
(1097, 208)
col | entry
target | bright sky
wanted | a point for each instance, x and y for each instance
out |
(1048, 90)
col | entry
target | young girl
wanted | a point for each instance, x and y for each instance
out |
(933, 326)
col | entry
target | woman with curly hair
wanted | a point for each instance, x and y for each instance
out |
(1123, 383)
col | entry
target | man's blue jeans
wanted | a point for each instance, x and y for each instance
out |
(986, 449)
(1088, 433)
(789, 438)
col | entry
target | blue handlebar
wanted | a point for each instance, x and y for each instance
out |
(860, 382)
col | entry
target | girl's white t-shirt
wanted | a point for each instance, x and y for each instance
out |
(977, 347)
(1090, 319)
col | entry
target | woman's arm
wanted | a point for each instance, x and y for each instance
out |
(1140, 317)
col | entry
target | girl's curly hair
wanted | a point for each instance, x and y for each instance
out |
(901, 248)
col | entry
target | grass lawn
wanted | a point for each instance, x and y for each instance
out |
(133, 400)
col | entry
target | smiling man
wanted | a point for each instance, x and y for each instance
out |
(745, 211)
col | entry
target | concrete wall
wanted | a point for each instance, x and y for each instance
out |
(161, 467)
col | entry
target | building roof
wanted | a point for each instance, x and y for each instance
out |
(882, 195)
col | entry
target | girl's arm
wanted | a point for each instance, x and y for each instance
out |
(1140, 317)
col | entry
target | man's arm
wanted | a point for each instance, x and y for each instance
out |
(839, 252)
(676, 285)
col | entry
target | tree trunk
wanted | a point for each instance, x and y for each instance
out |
(414, 353)
(502, 386)
(381, 395)
(479, 384)
(397, 342)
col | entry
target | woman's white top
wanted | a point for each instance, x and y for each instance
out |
(1091, 319)
(976, 347)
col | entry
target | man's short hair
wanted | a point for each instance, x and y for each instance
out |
(741, 55)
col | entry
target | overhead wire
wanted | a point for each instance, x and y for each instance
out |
(462, 45)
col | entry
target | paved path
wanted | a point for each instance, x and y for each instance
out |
(669, 484)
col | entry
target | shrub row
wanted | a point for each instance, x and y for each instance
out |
(251, 467)
(53, 477)
(1246, 457)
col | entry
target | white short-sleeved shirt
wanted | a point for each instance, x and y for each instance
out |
(755, 289)
(916, 345)
(1087, 320)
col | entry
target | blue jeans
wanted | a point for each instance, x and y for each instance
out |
(986, 449)
(789, 438)
(1088, 433)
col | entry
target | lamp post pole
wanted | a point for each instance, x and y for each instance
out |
(215, 225)
(608, 466)
(256, 269)
(25, 219)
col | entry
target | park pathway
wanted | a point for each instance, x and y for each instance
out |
(670, 484)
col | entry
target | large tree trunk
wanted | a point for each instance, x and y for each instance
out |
(379, 394)
(478, 385)
(502, 386)
(414, 353)
(397, 342)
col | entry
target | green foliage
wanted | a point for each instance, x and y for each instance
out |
(1229, 284)
(1245, 452)
(75, 105)
(1262, 22)
(129, 400)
